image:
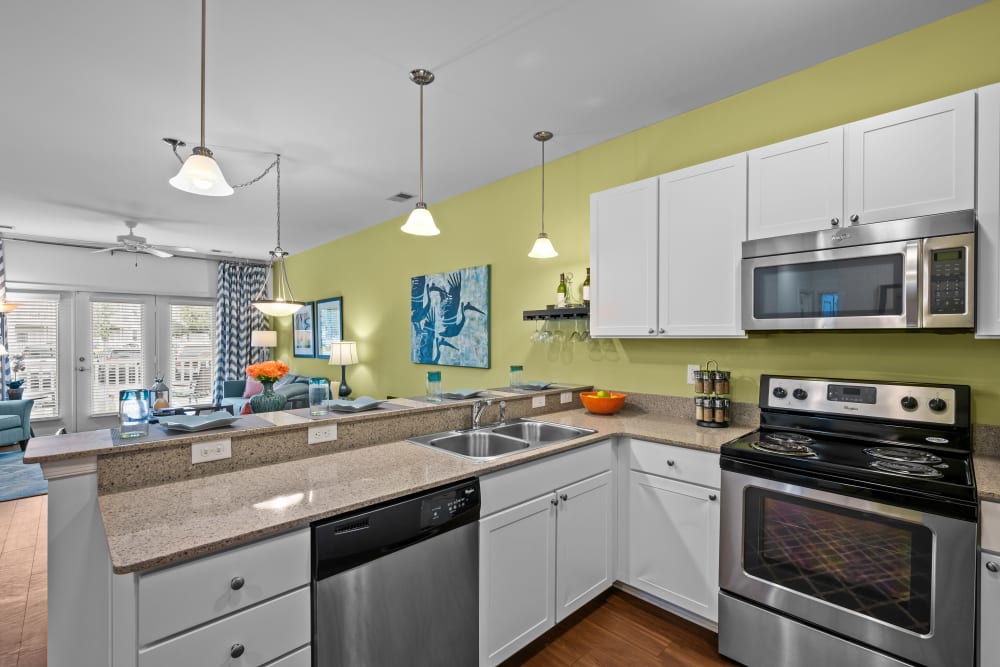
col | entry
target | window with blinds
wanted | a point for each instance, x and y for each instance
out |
(116, 330)
(33, 340)
(192, 358)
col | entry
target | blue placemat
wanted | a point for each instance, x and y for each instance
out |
(18, 480)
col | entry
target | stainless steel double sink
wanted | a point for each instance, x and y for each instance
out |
(492, 442)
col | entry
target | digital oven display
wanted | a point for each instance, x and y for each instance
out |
(848, 393)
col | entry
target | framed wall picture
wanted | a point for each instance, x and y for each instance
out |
(450, 318)
(329, 324)
(304, 332)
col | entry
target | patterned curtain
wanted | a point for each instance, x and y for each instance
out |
(3, 323)
(239, 285)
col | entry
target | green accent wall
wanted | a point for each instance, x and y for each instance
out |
(496, 224)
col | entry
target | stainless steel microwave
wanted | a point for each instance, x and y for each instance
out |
(903, 274)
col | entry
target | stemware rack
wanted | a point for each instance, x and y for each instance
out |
(570, 313)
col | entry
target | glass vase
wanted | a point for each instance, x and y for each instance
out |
(268, 400)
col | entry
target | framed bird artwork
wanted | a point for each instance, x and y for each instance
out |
(450, 318)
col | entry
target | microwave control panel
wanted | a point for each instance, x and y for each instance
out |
(948, 280)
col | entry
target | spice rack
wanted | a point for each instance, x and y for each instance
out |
(712, 403)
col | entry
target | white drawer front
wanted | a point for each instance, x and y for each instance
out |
(189, 594)
(521, 483)
(301, 658)
(265, 632)
(687, 465)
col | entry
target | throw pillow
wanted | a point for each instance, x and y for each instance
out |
(283, 381)
(246, 409)
(252, 388)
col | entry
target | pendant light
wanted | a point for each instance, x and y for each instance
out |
(421, 222)
(200, 174)
(283, 302)
(543, 248)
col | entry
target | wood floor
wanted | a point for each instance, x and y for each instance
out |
(618, 630)
(23, 582)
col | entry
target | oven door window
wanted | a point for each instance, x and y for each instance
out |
(864, 562)
(853, 287)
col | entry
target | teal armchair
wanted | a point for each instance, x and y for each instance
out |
(15, 422)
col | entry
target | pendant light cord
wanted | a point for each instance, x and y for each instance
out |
(420, 191)
(277, 171)
(204, 12)
(543, 187)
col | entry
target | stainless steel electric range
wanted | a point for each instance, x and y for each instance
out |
(849, 527)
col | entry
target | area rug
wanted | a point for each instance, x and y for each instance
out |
(18, 480)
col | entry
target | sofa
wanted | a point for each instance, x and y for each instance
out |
(15, 422)
(292, 387)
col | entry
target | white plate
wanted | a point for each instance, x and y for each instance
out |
(535, 386)
(462, 393)
(198, 422)
(359, 404)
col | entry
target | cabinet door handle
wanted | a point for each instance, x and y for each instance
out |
(236, 650)
(236, 583)
(834, 222)
(855, 218)
(992, 567)
(652, 331)
(554, 501)
(712, 496)
(670, 462)
(663, 331)
(563, 497)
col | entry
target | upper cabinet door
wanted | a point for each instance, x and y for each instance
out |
(796, 185)
(915, 161)
(623, 262)
(988, 212)
(703, 218)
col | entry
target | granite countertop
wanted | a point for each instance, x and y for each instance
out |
(159, 525)
(987, 476)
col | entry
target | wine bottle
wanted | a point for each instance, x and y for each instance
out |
(586, 289)
(561, 292)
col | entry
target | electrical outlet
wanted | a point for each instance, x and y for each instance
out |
(211, 450)
(691, 370)
(566, 397)
(323, 433)
(538, 401)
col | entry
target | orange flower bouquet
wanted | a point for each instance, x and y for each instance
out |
(268, 371)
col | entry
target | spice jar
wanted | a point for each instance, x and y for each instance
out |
(699, 381)
(721, 415)
(721, 381)
(699, 408)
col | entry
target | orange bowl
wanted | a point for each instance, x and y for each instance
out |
(603, 406)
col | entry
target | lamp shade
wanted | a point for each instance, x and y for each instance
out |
(420, 222)
(343, 353)
(263, 339)
(200, 175)
(543, 248)
(3, 349)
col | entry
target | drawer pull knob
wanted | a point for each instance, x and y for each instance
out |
(236, 650)
(563, 497)
(855, 218)
(670, 462)
(236, 583)
(992, 567)
(554, 501)
(712, 496)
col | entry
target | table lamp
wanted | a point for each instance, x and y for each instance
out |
(343, 353)
(267, 339)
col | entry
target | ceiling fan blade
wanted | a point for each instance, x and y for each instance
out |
(156, 252)
(111, 249)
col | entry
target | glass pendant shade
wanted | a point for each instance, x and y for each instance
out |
(6, 307)
(200, 175)
(543, 248)
(283, 303)
(421, 222)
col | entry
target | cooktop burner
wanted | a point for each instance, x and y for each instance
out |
(907, 469)
(789, 438)
(908, 455)
(783, 447)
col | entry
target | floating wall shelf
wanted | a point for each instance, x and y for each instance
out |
(575, 313)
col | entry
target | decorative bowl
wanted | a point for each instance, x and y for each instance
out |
(603, 406)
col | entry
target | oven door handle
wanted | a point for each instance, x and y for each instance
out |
(911, 283)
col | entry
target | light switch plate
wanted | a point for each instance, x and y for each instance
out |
(691, 369)
(322, 433)
(211, 450)
(566, 397)
(538, 401)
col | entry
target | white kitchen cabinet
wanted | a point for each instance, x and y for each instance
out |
(989, 609)
(548, 555)
(796, 185)
(703, 217)
(623, 260)
(911, 162)
(988, 213)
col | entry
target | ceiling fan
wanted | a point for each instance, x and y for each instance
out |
(132, 243)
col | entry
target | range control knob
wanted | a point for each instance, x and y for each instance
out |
(800, 394)
(779, 392)
(937, 404)
(908, 403)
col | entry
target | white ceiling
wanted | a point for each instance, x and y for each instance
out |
(91, 87)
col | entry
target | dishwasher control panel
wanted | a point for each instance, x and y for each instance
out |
(444, 506)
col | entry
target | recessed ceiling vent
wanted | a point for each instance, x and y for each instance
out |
(401, 196)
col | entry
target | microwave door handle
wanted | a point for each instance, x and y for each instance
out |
(911, 283)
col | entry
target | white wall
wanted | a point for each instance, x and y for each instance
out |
(41, 266)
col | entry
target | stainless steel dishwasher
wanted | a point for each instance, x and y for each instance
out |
(398, 584)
